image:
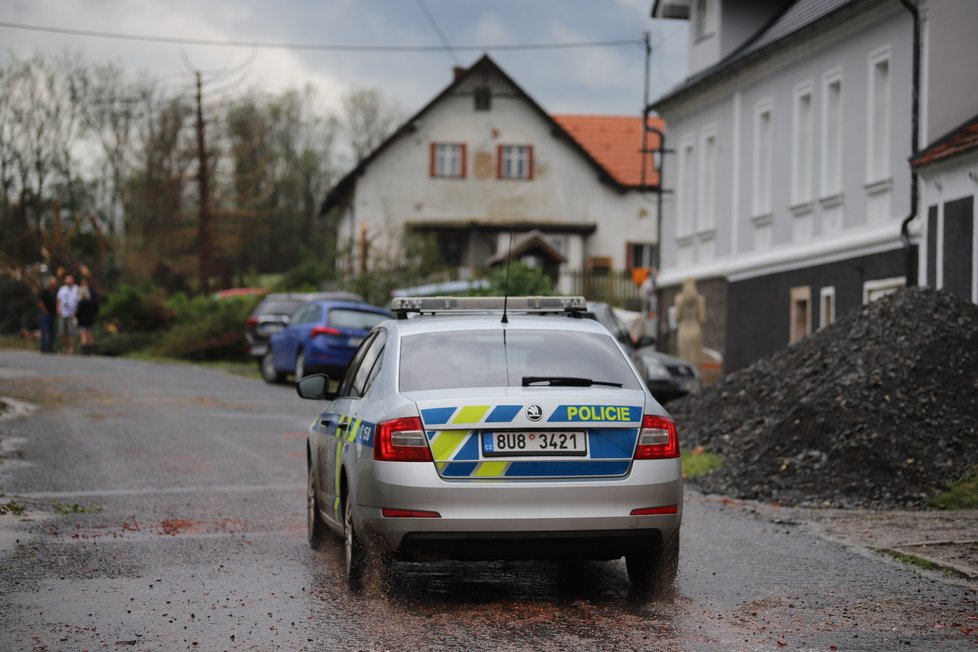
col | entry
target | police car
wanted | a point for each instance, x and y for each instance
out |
(491, 428)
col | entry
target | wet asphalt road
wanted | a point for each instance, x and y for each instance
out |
(166, 512)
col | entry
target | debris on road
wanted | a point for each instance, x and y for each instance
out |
(876, 410)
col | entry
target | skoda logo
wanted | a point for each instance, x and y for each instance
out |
(534, 413)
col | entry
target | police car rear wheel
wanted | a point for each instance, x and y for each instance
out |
(654, 571)
(354, 552)
(300, 366)
(316, 529)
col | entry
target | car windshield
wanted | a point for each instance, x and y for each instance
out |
(355, 319)
(486, 359)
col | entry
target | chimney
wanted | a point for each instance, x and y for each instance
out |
(457, 72)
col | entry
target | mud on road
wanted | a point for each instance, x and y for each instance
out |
(164, 509)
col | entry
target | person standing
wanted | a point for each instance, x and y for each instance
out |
(47, 305)
(67, 306)
(86, 313)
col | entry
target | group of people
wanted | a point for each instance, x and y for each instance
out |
(68, 311)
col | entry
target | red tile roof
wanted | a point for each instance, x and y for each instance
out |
(615, 142)
(962, 139)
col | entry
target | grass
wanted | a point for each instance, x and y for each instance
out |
(73, 508)
(962, 494)
(924, 564)
(11, 507)
(697, 462)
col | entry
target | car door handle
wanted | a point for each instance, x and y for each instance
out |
(343, 426)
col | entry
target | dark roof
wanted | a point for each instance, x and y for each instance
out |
(799, 17)
(535, 240)
(958, 141)
(485, 67)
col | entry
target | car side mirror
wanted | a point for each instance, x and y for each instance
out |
(315, 387)
(645, 340)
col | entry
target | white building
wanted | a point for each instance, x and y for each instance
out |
(793, 134)
(481, 159)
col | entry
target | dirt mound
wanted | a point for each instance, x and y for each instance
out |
(879, 409)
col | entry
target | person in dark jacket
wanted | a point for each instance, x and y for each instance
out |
(47, 307)
(86, 313)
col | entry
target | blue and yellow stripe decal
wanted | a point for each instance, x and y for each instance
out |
(457, 455)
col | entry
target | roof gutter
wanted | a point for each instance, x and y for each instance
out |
(910, 254)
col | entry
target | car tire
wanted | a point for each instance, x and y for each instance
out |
(266, 367)
(300, 366)
(316, 529)
(354, 551)
(656, 572)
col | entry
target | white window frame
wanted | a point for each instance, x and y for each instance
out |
(803, 145)
(706, 219)
(832, 141)
(705, 18)
(826, 293)
(516, 161)
(878, 133)
(763, 185)
(448, 160)
(877, 288)
(686, 199)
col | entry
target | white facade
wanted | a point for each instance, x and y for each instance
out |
(802, 133)
(799, 178)
(585, 217)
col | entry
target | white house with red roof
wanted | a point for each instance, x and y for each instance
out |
(483, 160)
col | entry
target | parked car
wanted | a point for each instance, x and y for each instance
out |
(458, 435)
(273, 313)
(320, 336)
(667, 377)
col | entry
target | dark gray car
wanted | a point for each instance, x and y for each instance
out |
(668, 377)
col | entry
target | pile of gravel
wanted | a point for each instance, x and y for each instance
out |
(879, 409)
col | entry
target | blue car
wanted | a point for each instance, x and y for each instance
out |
(321, 336)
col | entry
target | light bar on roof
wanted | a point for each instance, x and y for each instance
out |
(487, 304)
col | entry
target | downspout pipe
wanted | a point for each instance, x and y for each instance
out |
(910, 256)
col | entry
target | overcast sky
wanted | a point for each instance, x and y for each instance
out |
(607, 80)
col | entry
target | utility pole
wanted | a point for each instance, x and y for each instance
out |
(204, 244)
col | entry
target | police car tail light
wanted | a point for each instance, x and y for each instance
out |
(658, 439)
(402, 440)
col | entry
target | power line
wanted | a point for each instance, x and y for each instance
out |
(441, 37)
(148, 38)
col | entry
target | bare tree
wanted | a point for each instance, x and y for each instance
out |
(368, 118)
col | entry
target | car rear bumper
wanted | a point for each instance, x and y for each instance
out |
(526, 519)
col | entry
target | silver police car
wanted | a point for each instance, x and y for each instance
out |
(481, 431)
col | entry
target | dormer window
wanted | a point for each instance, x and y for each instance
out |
(483, 98)
(705, 18)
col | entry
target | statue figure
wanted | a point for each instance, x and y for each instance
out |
(690, 315)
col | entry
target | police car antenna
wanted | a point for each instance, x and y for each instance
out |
(509, 257)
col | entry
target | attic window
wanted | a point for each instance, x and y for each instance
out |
(483, 98)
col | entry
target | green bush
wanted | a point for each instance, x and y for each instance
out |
(133, 308)
(308, 276)
(206, 329)
(18, 309)
(523, 282)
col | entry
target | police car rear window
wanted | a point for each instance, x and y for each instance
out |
(483, 359)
